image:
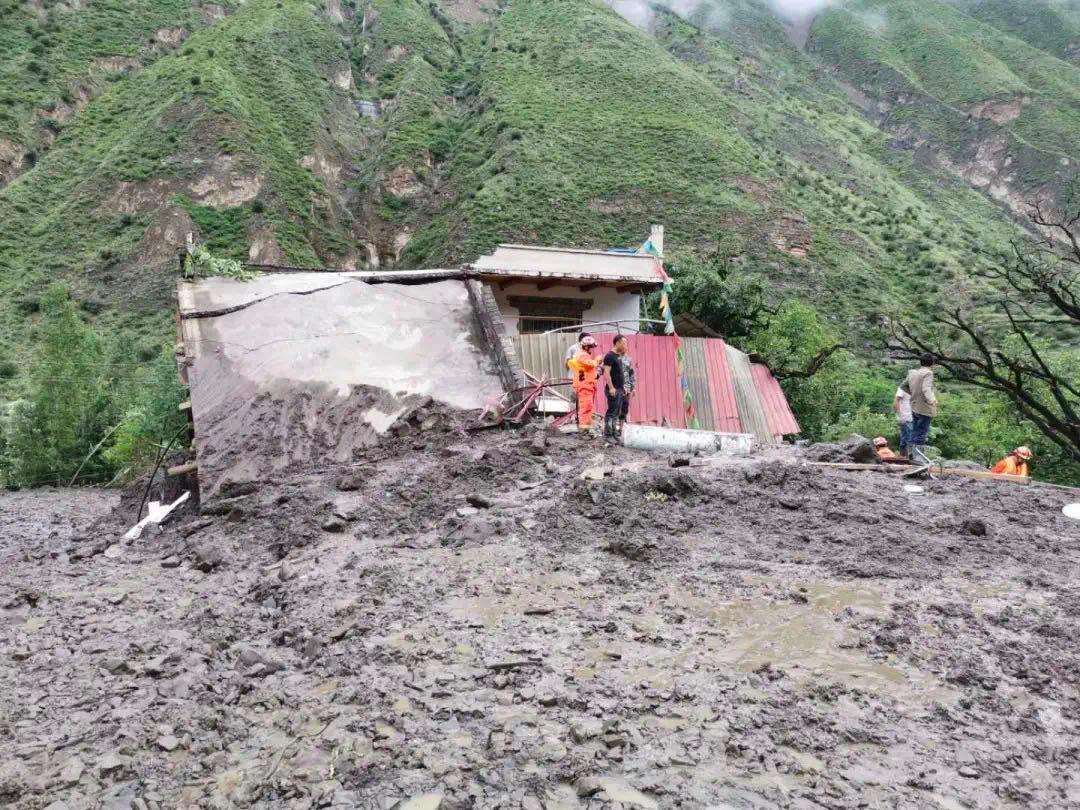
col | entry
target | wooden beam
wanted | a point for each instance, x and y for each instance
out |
(504, 284)
(628, 288)
(981, 474)
(185, 405)
(852, 466)
(591, 286)
(544, 285)
(183, 469)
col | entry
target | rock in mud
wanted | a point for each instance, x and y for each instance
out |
(351, 480)
(427, 801)
(235, 489)
(856, 450)
(334, 524)
(974, 527)
(252, 659)
(208, 557)
(538, 446)
(168, 742)
(72, 772)
(615, 790)
(110, 764)
(633, 548)
(195, 526)
(586, 729)
(171, 561)
(479, 501)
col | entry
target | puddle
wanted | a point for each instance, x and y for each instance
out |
(807, 640)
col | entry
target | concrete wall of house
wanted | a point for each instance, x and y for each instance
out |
(608, 305)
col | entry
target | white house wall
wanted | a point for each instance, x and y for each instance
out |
(608, 305)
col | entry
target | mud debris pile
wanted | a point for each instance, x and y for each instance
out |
(460, 621)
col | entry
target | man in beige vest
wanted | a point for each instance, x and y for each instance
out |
(920, 384)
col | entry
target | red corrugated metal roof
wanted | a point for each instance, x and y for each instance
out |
(777, 411)
(725, 409)
(659, 395)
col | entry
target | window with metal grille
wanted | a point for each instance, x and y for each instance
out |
(537, 315)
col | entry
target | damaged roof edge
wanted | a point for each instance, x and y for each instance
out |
(467, 271)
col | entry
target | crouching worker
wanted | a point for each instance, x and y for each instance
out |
(583, 374)
(1014, 464)
(882, 447)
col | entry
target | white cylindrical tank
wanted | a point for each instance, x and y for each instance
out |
(676, 440)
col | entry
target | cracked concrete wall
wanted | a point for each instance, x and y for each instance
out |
(295, 370)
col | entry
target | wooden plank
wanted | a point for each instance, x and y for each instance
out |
(183, 469)
(981, 474)
(853, 466)
(185, 405)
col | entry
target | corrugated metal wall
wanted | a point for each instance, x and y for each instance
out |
(777, 411)
(725, 408)
(545, 355)
(730, 394)
(751, 412)
(697, 374)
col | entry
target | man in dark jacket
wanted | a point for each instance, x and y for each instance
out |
(614, 387)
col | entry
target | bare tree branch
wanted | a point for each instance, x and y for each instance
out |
(813, 367)
(1041, 285)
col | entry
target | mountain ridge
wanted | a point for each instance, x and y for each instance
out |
(397, 133)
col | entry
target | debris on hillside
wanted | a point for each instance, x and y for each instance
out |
(473, 625)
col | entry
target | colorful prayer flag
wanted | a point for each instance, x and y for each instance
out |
(669, 329)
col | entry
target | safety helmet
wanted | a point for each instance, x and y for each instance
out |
(880, 441)
(1023, 452)
(588, 342)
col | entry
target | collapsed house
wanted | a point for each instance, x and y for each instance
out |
(301, 369)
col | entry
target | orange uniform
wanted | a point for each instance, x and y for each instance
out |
(583, 374)
(885, 452)
(1011, 465)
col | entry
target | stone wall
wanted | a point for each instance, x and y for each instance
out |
(500, 346)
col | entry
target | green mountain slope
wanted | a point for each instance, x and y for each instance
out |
(405, 133)
(976, 100)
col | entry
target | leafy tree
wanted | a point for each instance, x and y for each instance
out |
(795, 343)
(718, 293)
(153, 418)
(68, 409)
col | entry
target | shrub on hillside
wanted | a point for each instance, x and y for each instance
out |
(68, 409)
(153, 417)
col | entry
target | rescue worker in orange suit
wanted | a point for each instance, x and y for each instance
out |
(882, 447)
(1014, 464)
(583, 369)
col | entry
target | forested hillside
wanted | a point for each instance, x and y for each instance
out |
(866, 161)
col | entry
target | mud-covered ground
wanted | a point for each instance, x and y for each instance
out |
(461, 622)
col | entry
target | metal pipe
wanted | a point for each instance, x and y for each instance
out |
(582, 326)
(677, 440)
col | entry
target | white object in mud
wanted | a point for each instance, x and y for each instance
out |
(913, 488)
(1071, 510)
(156, 514)
(675, 440)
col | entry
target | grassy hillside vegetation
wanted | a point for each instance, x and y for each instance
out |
(958, 85)
(409, 133)
(209, 138)
(58, 54)
(1050, 25)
